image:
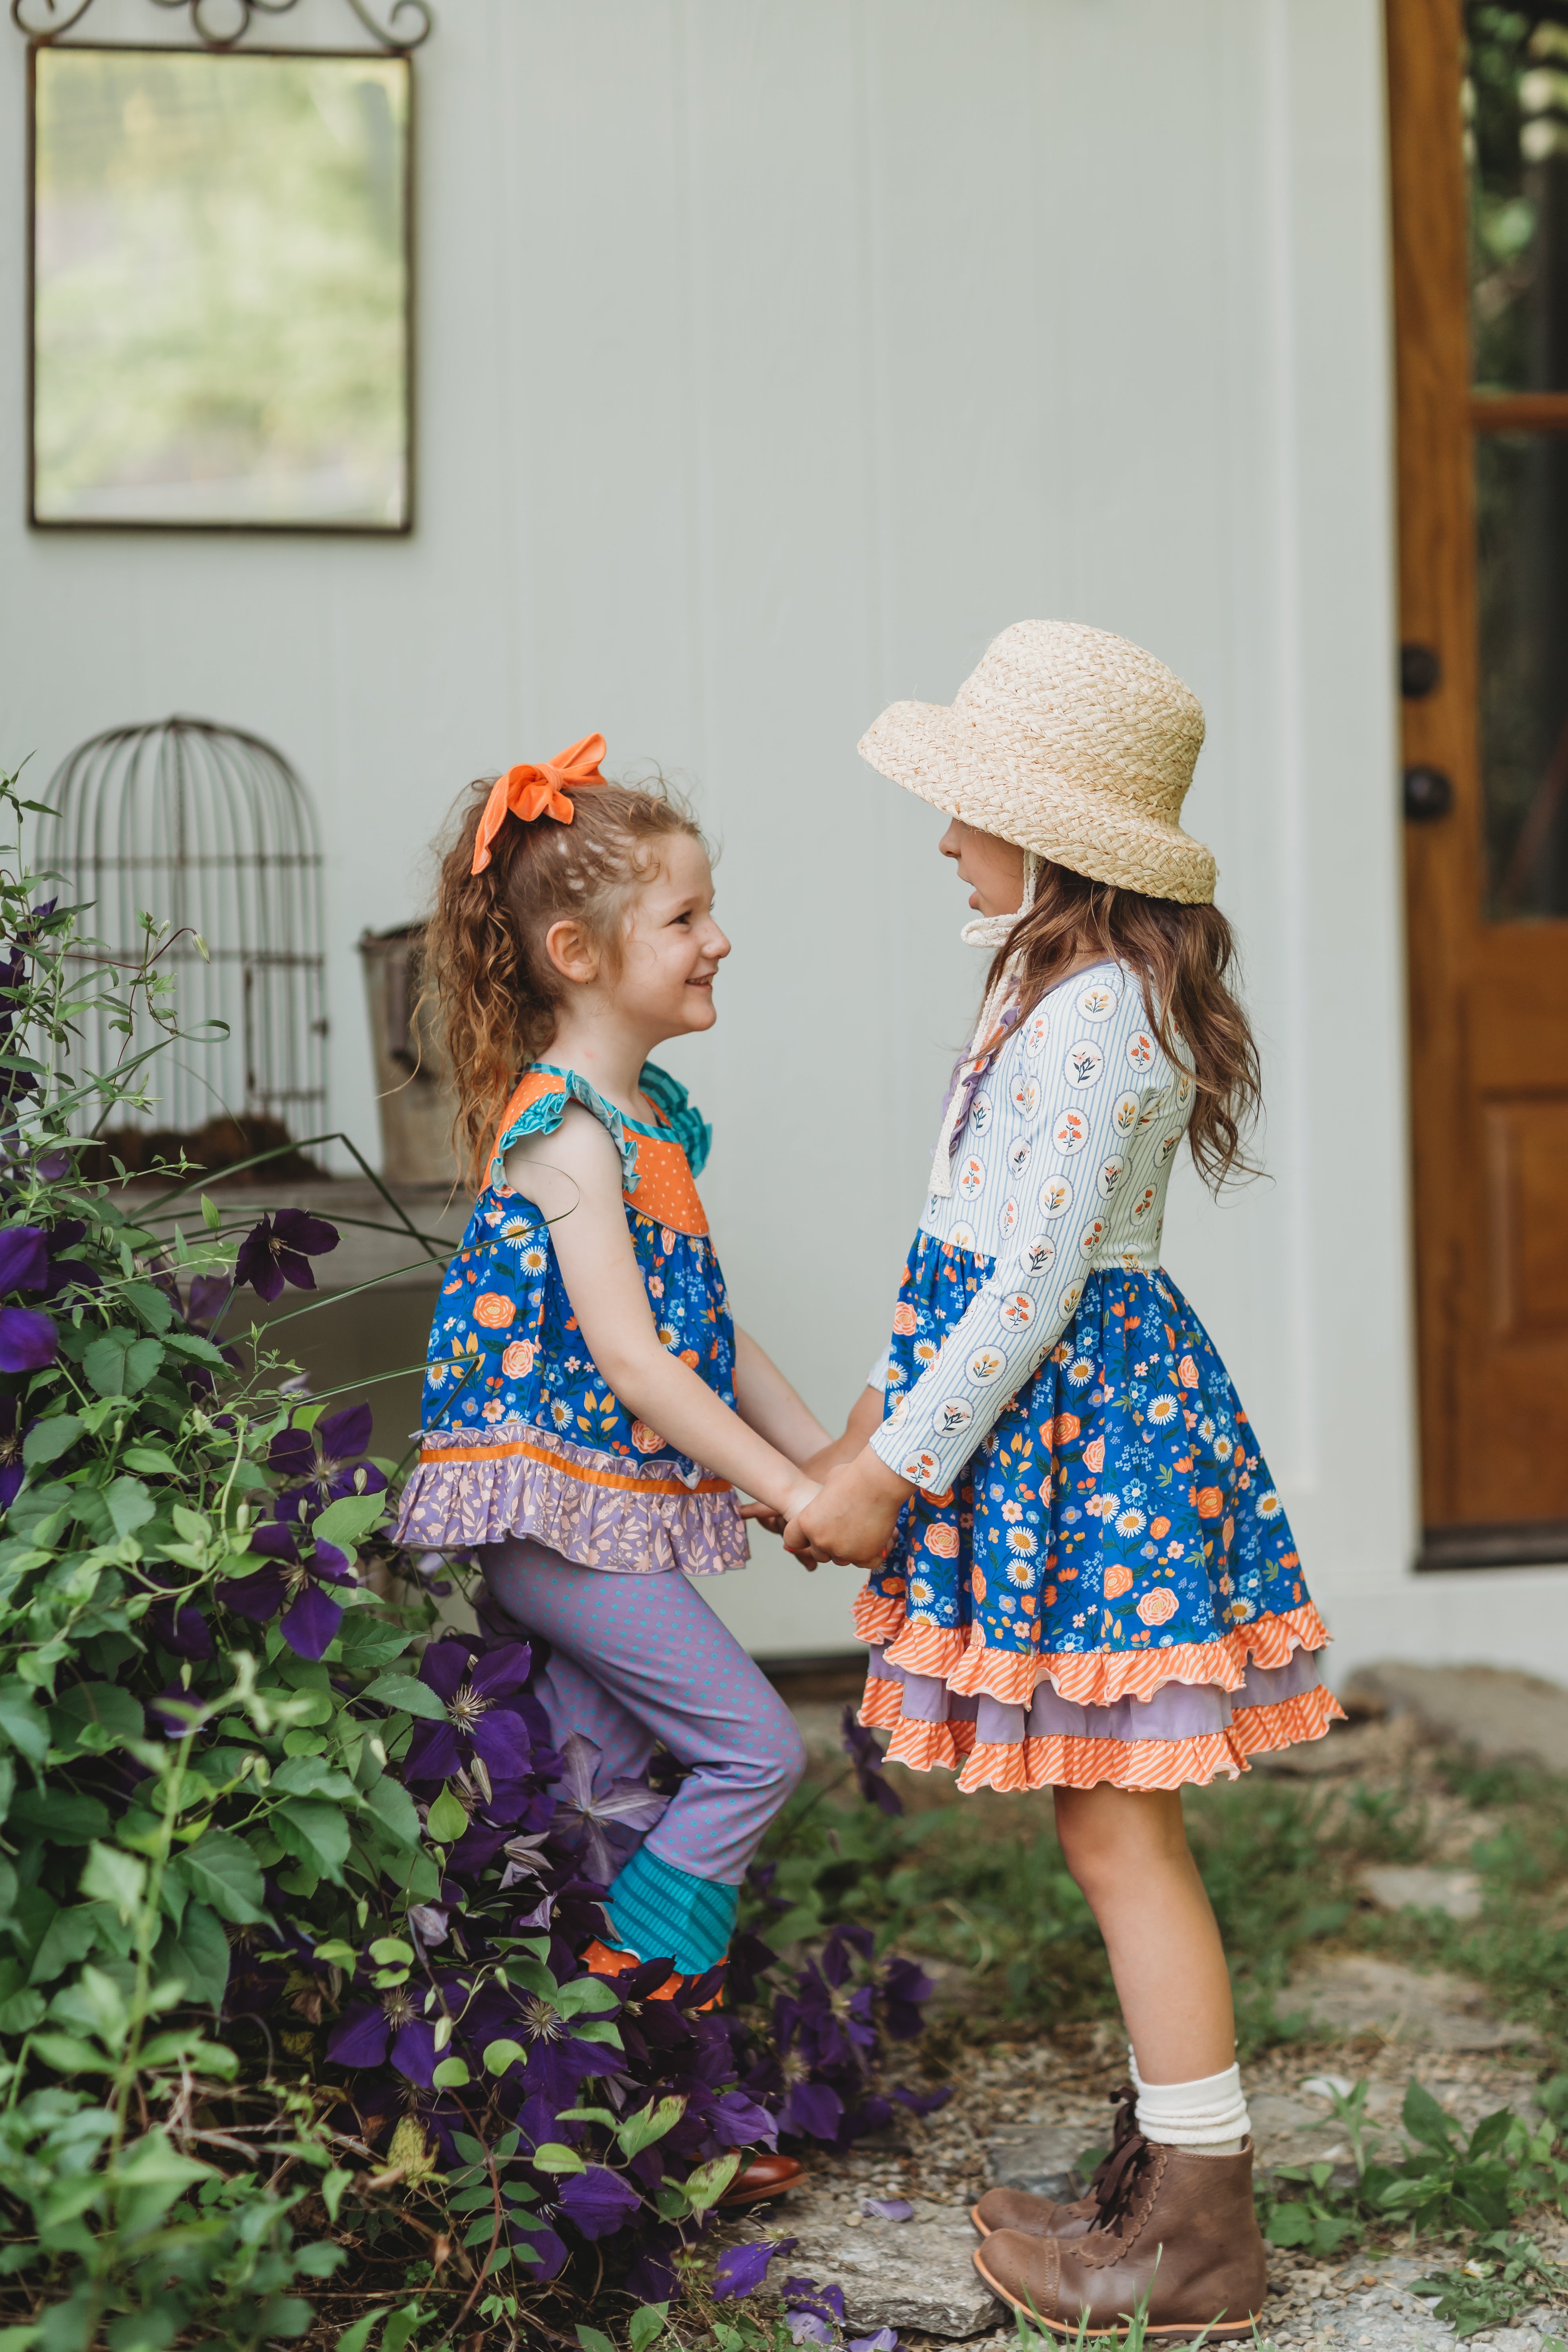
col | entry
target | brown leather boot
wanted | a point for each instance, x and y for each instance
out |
(1037, 2217)
(1177, 2233)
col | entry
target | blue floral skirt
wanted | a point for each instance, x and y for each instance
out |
(1112, 1591)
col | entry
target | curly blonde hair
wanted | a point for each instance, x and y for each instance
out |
(497, 995)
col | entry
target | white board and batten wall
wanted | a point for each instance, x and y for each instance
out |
(773, 355)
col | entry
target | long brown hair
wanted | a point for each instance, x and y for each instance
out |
(497, 995)
(1183, 957)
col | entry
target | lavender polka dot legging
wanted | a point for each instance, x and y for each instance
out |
(640, 1659)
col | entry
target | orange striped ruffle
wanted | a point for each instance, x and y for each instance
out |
(930, 1747)
(1065, 1762)
(1086, 1677)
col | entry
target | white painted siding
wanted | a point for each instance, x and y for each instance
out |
(773, 354)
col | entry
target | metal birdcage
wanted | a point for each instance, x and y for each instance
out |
(209, 828)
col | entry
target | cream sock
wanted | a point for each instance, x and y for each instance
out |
(1209, 2115)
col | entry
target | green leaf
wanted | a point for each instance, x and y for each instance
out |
(151, 1459)
(212, 1215)
(598, 2029)
(97, 1717)
(118, 1363)
(586, 1993)
(647, 2324)
(67, 2055)
(317, 1835)
(555, 2156)
(60, 1815)
(451, 2074)
(1424, 2119)
(130, 1505)
(401, 2327)
(222, 1872)
(145, 1299)
(50, 1439)
(310, 1776)
(447, 1819)
(199, 1954)
(407, 1693)
(648, 2124)
(593, 2339)
(500, 2054)
(349, 1520)
(708, 2183)
(23, 1722)
(105, 2004)
(387, 1948)
(114, 1877)
(394, 1809)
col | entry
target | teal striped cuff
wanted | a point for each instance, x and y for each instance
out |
(661, 1913)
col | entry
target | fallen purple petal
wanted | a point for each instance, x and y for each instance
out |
(884, 2340)
(887, 2208)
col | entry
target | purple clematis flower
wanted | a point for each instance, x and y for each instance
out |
(29, 1339)
(865, 1754)
(485, 1733)
(277, 1249)
(301, 1588)
(366, 2034)
(13, 1470)
(597, 2200)
(329, 1457)
(181, 1629)
(582, 1818)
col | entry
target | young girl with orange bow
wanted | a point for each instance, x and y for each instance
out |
(590, 1408)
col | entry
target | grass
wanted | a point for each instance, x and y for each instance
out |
(980, 1882)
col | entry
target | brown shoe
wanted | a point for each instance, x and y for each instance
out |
(1178, 2235)
(1037, 2217)
(765, 2177)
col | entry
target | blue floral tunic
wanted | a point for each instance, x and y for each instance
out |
(521, 1434)
(1096, 1579)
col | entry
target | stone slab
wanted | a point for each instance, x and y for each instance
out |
(1499, 1712)
(1356, 1993)
(916, 2273)
(1039, 2157)
(1398, 1886)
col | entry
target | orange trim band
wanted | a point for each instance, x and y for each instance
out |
(1088, 1677)
(444, 1453)
(1060, 1761)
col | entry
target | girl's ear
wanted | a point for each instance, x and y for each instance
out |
(572, 951)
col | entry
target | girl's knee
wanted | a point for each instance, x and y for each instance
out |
(789, 1768)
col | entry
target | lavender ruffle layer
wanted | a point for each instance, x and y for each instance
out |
(1175, 1711)
(450, 1505)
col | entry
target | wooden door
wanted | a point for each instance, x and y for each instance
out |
(1479, 99)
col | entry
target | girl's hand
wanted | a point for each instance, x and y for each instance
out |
(851, 1520)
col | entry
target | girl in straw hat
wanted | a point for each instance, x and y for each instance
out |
(1082, 1578)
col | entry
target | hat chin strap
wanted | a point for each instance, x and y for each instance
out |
(996, 930)
(984, 931)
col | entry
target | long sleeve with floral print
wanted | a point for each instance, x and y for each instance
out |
(1062, 1166)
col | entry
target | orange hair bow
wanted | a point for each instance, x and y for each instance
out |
(528, 792)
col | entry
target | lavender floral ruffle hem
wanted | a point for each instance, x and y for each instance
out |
(607, 1511)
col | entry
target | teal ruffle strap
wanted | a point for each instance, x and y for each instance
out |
(692, 1130)
(544, 1114)
(664, 1914)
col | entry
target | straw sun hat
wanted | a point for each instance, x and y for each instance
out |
(1070, 743)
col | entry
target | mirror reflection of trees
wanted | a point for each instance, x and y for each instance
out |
(221, 298)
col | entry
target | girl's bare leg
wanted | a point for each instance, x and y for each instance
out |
(1127, 1849)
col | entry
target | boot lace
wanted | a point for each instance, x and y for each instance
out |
(1116, 2183)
